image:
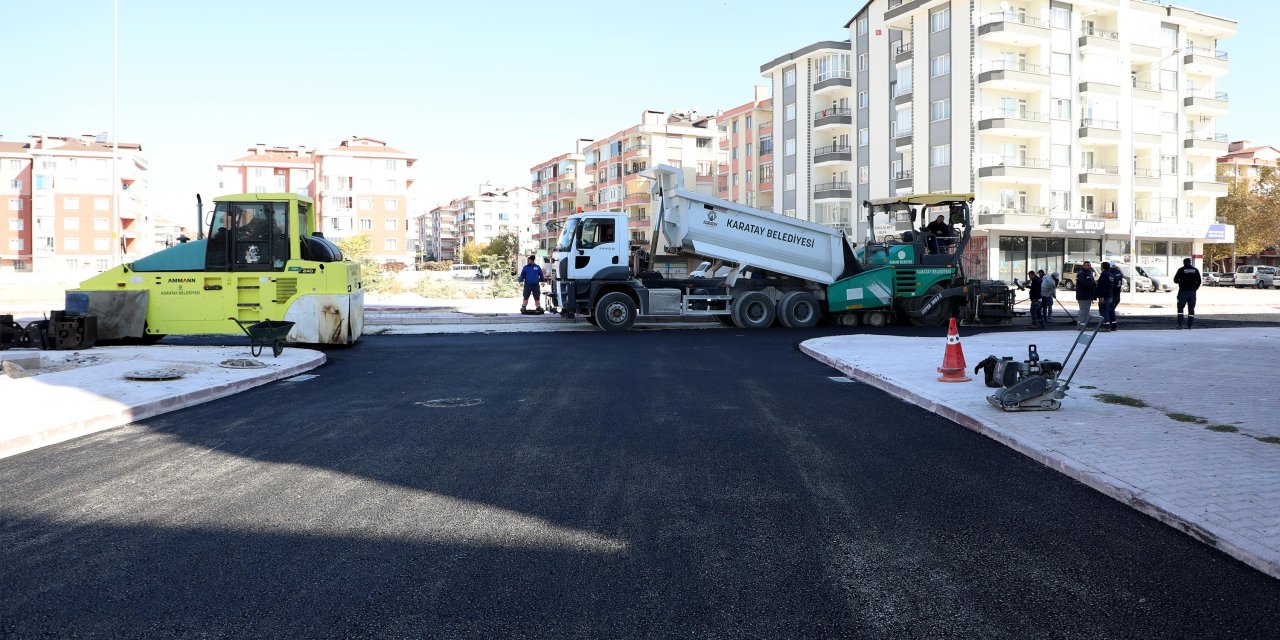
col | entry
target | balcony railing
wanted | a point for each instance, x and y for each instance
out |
(1145, 86)
(1010, 209)
(1013, 161)
(1096, 123)
(1101, 170)
(906, 47)
(1146, 216)
(904, 175)
(1013, 65)
(1207, 135)
(766, 149)
(1094, 32)
(1208, 53)
(1146, 173)
(1206, 94)
(901, 90)
(1013, 114)
(832, 186)
(903, 133)
(828, 113)
(1010, 16)
(834, 148)
(842, 74)
(1095, 214)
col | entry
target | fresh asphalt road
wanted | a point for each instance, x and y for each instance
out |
(666, 484)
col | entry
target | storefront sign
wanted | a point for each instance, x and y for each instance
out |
(1209, 232)
(1078, 226)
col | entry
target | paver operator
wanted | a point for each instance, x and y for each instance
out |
(531, 276)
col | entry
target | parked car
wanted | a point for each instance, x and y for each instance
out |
(1159, 280)
(1257, 276)
(1208, 279)
(702, 271)
(1068, 275)
(1133, 281)
(1225, 279)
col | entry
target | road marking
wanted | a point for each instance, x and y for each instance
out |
(302, 377)
(840, 378)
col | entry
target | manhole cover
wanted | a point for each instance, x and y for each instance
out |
(155, 374)
(242, 363)
(444, 403)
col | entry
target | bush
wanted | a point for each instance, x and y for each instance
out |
(503, 286)
(393, 266)
(435, 265)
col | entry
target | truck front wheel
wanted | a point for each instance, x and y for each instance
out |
(753, 310)
(615, 311)
(798, 310)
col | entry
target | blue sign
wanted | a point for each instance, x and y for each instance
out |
(1216, 232)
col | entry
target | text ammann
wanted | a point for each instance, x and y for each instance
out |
(770, 233)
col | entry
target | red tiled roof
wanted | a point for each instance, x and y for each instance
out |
(101, 147)
(285, 157)
(14, 147)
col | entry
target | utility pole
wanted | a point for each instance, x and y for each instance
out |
(117, 225)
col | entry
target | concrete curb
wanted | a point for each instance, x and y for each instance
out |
(1224, 540)
(116, 416)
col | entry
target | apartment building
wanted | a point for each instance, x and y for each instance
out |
(56, 201)
(559, 184)
(746, 152)
(439, 233)
(685, 140)
(1242, 165)
(1086, 130)
(493, 211)
(359, 187)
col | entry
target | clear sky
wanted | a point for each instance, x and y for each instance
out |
(478, 90)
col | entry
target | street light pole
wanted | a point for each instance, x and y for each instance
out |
(1133, 208)
(116, 221)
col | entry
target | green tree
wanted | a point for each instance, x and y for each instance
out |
(505, 245)
(1254, 208)
(359, 249)
(471, 253)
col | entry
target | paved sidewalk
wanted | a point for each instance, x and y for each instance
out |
(82, 392)
(1220, 486)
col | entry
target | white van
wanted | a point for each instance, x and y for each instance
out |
(1259, 276)
(465, 271)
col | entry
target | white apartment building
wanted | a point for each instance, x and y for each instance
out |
(559, 184)
(438, 232)
(493, 211)
(1079, 126)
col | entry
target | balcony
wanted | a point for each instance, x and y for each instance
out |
(1095, 40)
(832, 80)
(903, 180)
(902, 97)
(1100, 88)
(1012, 27)
(1206, 62)
(1014, 75)
(832, 117)
(832, 153)
(903, 53)
(1146, 179)
(639, 197)
(1147, 215)
(1015, 123)
(766, 149)
(1205, 103)
(1204, 143)
(1145, 53)
(1013, 169)
(1146, 91)
(1099, 131)
(1204, 188)
(1010, 214)
(902, 141)
(833, 190)
(1147, 139)
(1100, 175)
(1094, 214)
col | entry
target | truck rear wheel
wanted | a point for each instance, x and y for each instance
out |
(615, 311)
(753, 310)
(798, 310)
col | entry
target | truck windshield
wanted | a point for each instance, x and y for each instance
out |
(566, 237)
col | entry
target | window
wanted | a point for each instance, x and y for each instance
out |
(1061, 109)
(1060, 155)
(15, 244)
(734, 127)
(389, 244)
(392, 165)
(789, 77)
(940, 20)
(1168, 121)
(863, 137)
(366, 204)
(15, 165)
(864, 175)
(101, 224)
(748, 123)
(735, 180)
(259, 189)
(748, 176)
(42, 182)
(940, 110)
(735, 153)
(1169, 36)
(790, 112)
(1061, 202)
(71, 223)
(101, 204)
(940, 156)
(1169, 165)
(789, 182)
(71, 202)
(388, 224)
(863, 99)
(1060, 17)
(748, 149)
(1060, 63)
(15, 204)
(15, 224)
(862, 26)
(15, 185)
(100, 264)
(940, 65)
(259, 172)
(1168, 79)
(790, 147)
(99, 244)
(390, 204)
(391, 186)
(71, 244)
(366, 224)
(864, 62)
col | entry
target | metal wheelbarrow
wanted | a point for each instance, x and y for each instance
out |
(267, 332)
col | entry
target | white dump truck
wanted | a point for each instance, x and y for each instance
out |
(780, 268)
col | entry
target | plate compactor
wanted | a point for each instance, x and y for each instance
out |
(1035, 384)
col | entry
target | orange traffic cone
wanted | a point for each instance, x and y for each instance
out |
(953, 366)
